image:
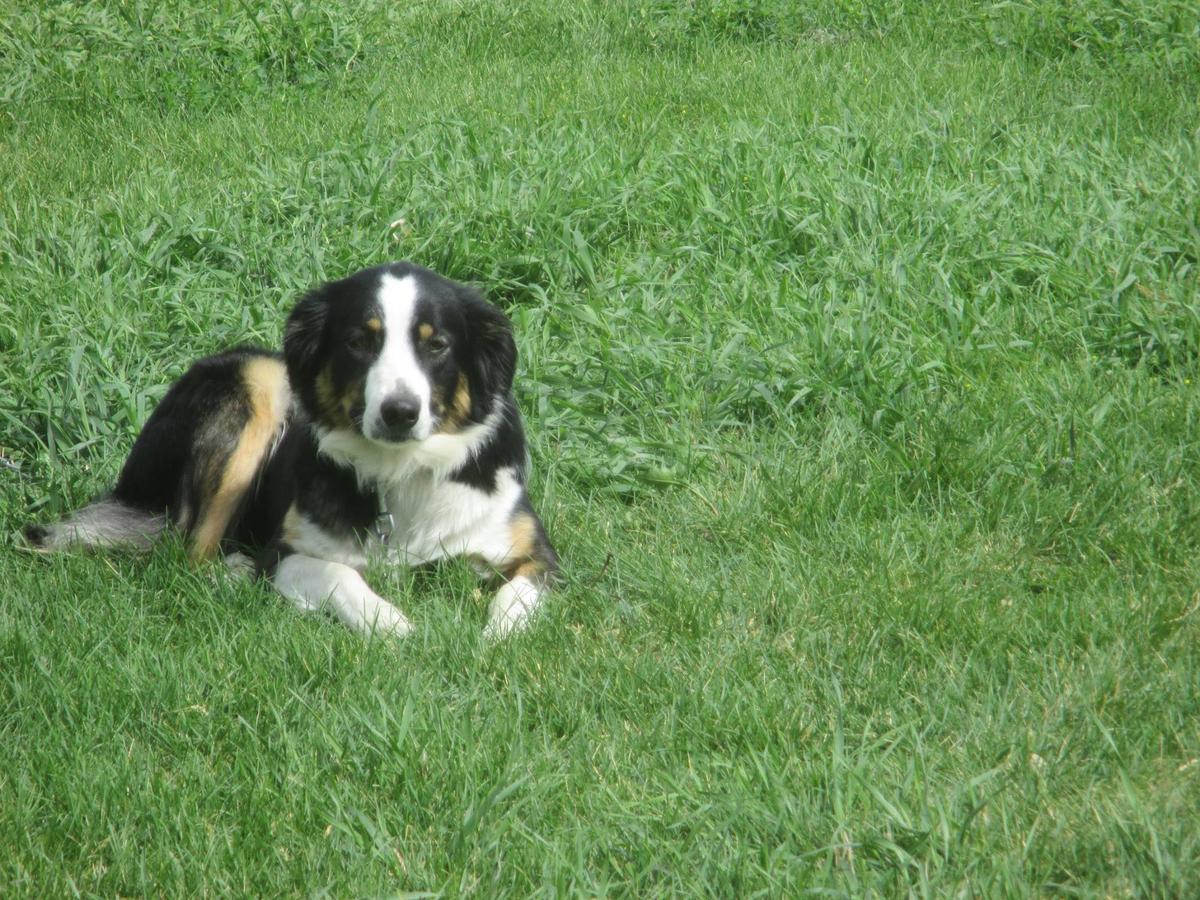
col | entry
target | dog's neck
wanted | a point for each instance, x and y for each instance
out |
(381, 466)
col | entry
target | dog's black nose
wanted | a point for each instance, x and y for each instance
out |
(399, 414)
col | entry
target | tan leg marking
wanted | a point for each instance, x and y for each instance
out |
(523, 535)
(524, 560)
(530, 569)
(291, 525)
(266, 385)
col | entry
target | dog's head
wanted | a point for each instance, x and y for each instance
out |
(398, 353)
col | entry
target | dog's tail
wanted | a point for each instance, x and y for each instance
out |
(105, 523)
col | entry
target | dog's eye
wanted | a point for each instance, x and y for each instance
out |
(360, 341)
(437, 344)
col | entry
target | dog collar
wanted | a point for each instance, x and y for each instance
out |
(385, 522)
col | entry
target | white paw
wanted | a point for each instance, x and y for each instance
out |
(512, 609)
(385, 620)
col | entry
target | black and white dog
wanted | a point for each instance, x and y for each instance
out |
(388, 427)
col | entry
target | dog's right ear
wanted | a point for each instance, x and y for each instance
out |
(493, 350)
(304, 334)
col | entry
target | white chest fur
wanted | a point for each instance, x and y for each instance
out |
(433, 517)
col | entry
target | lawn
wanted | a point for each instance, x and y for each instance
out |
(860, 354)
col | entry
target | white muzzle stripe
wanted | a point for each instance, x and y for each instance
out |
(397, 369)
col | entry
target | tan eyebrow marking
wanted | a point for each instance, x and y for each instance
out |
(374, 324)
(425, 331)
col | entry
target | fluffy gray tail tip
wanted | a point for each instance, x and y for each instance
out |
(105, 523)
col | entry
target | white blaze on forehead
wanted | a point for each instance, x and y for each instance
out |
(397, 370)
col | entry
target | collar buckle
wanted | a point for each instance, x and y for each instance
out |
(384, 525)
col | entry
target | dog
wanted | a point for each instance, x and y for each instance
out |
(387, 428)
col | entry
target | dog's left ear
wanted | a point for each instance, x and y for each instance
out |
(493, 350)
(304, 335)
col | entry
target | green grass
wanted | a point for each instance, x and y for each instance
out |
(859, 355)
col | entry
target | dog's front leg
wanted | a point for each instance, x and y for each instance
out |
(528, 564)
(314, 584)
